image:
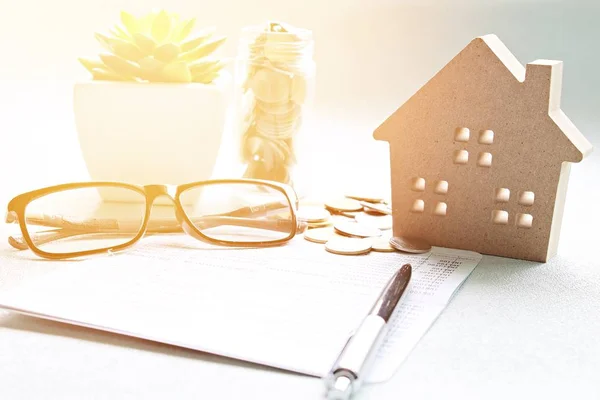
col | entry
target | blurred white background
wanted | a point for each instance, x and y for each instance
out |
(371, 54)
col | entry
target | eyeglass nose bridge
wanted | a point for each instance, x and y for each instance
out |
(154, 191)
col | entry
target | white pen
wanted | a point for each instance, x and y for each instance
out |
(349, 369)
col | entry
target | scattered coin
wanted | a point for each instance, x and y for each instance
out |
(319, 235)
(365, 197)
(313, 214)
(410, 245)
(344, 205)
(382, 244)
(377, 207)
(383, 222)
(353, 228)
(323, 224)
(348, 246)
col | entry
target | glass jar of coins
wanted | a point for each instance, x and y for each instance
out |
(275, 80)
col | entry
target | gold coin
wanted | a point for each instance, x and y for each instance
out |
(320, 224)
(365, 197)
(271, 86)
(313, 214)
(350, 214)
(377, 207)
(343, 205)
(410, 245)
(348, 246)
(319, 235)
(352, 228)
(382, 244)
(383, 222)
(299, 89)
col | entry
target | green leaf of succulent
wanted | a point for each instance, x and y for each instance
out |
(203, 50)
(161, 27)
(197, 40)
(167, 52)
(128, 51)
(176, 72)
(90, 64)
(130, 22)
(120, 65)
(185, 30)
(145, 43)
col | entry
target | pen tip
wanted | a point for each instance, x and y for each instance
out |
(341, 389)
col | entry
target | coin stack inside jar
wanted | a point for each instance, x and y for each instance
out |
(275, 68)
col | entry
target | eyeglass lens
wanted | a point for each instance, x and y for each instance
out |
(85, 219)
(239, 212)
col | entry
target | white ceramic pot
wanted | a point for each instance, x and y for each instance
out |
(151, 133)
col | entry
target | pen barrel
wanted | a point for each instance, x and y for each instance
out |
(361, 349)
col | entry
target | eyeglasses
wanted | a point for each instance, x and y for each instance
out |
(81, 219)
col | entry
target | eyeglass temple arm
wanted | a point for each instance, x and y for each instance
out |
(114, 227)
(58, 221)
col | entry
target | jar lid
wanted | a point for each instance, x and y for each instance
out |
(280, 32)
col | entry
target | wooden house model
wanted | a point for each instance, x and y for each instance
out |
(481, 154)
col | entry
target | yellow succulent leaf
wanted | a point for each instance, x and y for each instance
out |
(177, 72)
(103, 40)
(145, 23)
(161, 27)
(151, 75)
(215, 67)
(119, 32)
(128, 51)
(145, 43)
(130, 22)
(167, 52)
(120, 65)
(150, 64)
(90, 64)
(185, 30)
(197, 40)
(210, 70)
(203, 65)
(104, 75)
(205, 78)
(203, 50)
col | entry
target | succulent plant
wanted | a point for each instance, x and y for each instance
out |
(158, 47)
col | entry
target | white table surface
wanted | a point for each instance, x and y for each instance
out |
(515, 330)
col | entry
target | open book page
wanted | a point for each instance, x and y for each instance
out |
(290, 307)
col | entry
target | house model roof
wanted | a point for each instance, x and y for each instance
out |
(486, 75)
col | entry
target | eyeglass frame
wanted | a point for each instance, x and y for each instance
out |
(17, 206)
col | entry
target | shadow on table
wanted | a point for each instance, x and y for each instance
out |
(47, 327)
